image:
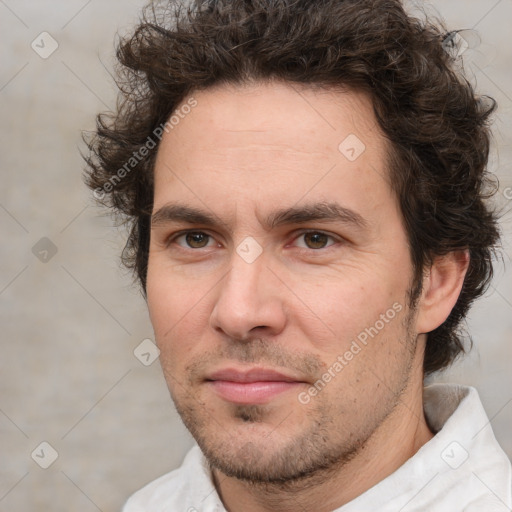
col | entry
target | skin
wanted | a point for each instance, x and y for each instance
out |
(241, 154)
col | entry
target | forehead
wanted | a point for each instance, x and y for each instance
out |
(238, 140)
(292, 114)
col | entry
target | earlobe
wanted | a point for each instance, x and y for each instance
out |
(442, 285)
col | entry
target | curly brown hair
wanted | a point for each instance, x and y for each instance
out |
(436, 125)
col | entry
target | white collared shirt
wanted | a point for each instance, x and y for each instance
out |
(461, 469)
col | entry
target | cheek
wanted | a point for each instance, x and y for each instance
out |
(160, 299)
(178, 309)
(343, 306)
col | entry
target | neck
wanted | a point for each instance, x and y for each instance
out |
(405, 429)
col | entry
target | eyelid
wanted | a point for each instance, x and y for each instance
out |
(172, 238)
(336, 238)
(302, 232)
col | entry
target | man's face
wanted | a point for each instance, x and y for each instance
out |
(278, 260)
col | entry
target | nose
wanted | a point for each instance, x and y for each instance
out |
(249, 301)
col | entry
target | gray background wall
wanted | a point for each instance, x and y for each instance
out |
(71, 320)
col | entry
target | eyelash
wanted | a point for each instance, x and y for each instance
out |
(180, 234)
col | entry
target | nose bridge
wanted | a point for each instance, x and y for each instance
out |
(248, 264)
(247, 299)
(245, 282)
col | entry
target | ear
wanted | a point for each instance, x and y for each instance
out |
(441, 289)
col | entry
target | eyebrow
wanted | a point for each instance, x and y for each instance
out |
(324, 211)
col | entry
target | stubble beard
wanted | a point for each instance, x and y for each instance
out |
(308, 458)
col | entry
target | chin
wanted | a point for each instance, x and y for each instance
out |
(256, 452)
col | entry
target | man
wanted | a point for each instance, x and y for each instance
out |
(305, 183)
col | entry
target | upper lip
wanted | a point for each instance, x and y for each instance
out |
(251, 375)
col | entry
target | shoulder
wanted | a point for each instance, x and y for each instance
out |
(184, 487)
(489, 503)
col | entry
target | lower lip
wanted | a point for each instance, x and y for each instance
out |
(251, 392)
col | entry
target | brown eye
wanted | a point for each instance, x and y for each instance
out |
(316, 240)
(197, 240)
